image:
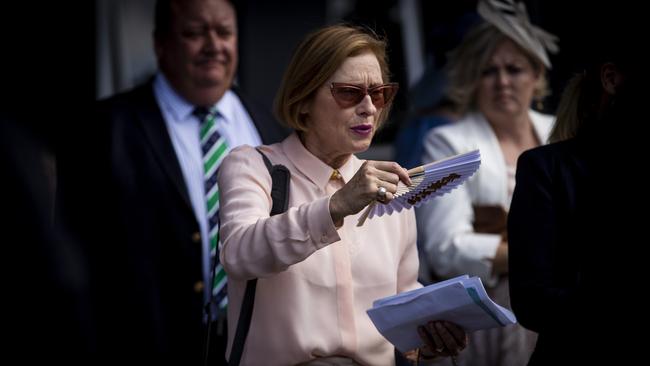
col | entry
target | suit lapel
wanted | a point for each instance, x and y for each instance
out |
(150, 117)
(269, 129)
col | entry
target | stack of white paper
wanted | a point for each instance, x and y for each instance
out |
(430, 180)
(461, 300)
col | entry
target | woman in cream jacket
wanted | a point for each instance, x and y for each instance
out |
(495, 75)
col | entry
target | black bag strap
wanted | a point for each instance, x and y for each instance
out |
(281, 177)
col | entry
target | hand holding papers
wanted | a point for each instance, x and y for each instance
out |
(430, 180)
(461, 300)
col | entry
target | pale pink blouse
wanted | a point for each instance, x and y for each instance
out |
(315, 281)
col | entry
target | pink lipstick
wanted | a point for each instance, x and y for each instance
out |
(363, 130)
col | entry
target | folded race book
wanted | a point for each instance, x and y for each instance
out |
(428, 181)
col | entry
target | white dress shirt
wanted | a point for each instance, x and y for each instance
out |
(233, 123)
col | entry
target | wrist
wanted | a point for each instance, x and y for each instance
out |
(336, 210)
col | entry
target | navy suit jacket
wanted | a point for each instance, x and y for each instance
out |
(569, 234)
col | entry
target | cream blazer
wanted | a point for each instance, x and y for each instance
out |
(447, 242)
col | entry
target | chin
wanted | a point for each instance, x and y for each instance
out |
(211, 79)
(508, 109)
(360, 146)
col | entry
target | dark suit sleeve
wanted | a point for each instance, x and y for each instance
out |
(540, 292)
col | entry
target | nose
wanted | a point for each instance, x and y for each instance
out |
(212, 42)
(503, 79)
(366, 107)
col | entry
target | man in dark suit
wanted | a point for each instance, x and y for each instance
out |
(146, 226)
(573, 254)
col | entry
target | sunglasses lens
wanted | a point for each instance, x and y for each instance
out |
(383, 95)
(347, 96)
(377, 96)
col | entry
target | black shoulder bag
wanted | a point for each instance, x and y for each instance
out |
(281, 177)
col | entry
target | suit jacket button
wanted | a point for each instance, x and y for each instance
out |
(198, 287)
(196, 237)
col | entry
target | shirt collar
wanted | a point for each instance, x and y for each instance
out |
(314, 168)
(175, 104)
(181, 109)
(349, 169)
(226, 107)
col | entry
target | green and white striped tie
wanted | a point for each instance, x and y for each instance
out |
(214, 149)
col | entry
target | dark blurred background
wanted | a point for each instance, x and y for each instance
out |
(59, 57)
(420, 34)
(62, 56)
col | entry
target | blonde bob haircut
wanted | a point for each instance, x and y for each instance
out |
(315, 60)
(470, 58)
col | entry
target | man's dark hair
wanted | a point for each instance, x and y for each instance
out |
(163, 18)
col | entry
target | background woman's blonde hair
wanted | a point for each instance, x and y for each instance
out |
(469, 59)
(580, 104)
(568, 117)
(315, 60)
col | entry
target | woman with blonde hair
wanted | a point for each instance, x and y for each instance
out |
(495, 76)
(317, 272)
